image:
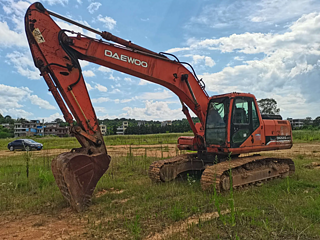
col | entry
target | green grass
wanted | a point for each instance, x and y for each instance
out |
(71, 142)
(150, 139)
(281, 209)
(305, 135)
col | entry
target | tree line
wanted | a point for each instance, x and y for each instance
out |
(266, 106)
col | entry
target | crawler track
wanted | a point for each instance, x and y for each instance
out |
(245, 170)
(168, 169)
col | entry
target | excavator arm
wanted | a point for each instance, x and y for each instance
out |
(56, 54)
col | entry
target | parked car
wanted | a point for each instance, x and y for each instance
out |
(24, 144)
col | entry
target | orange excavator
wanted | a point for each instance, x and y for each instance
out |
(230, 124)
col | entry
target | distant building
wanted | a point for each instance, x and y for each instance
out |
(103, 129)
(298, 123)
(166, 123)
(121, 130)
(140, 123)
(6, 125)
(54, 129)
(33, 128)
(27, 128)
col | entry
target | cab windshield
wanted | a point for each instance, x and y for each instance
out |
(217, 119)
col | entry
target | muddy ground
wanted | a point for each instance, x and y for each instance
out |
(67, 224)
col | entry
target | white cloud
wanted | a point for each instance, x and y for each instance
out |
(79, 1)
(17, 8)
(14, 98)
(127, 79)
(83, 63)
(127, 100)
(35, 100)
(273, 11)
(100, 109)
(104, 69)
(237, 58)
(88, 73)
(11, 97)
(10, 38)
(94, 7)
(23, 63)
(109, 22)
(153, 111)
(111, 77)
(198, 59)
(116, 90)
(101, 100)
(52, 117)
(143, 82)
(16, 113)
(72, 27)
(54, 2)
(89, 87)
(156, 95)
(290, 64)
(249, 14)
(173, 50)
(101, 88)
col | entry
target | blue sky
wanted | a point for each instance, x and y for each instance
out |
(268, 47)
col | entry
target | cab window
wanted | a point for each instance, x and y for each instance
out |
(217, 119)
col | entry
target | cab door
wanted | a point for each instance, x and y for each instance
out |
(244, 121)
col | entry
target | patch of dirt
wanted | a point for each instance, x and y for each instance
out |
(302, 149)
(182, 226)
(120, 201)
(63, 226)
(170, 150)
(313, 165)
(167, 150)
(105, 191)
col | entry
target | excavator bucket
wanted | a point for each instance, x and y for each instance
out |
(77, 175)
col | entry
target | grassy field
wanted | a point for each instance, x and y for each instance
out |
(165, 138)
(112, 140)
(305, 135)
(128, 206)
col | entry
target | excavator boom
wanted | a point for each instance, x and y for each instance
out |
(56, 54)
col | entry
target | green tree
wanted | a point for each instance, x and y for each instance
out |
(316, 122)
(268, 106)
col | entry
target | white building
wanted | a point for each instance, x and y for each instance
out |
(121, 130)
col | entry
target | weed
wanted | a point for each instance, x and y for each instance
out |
(45, 178)
(176, 212)
(190, 179)
(27, 157)
(134, 227)
(288, 184)
(231, 198)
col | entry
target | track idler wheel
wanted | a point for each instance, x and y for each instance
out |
(77, 175)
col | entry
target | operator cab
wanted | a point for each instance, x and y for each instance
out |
(231, 119)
